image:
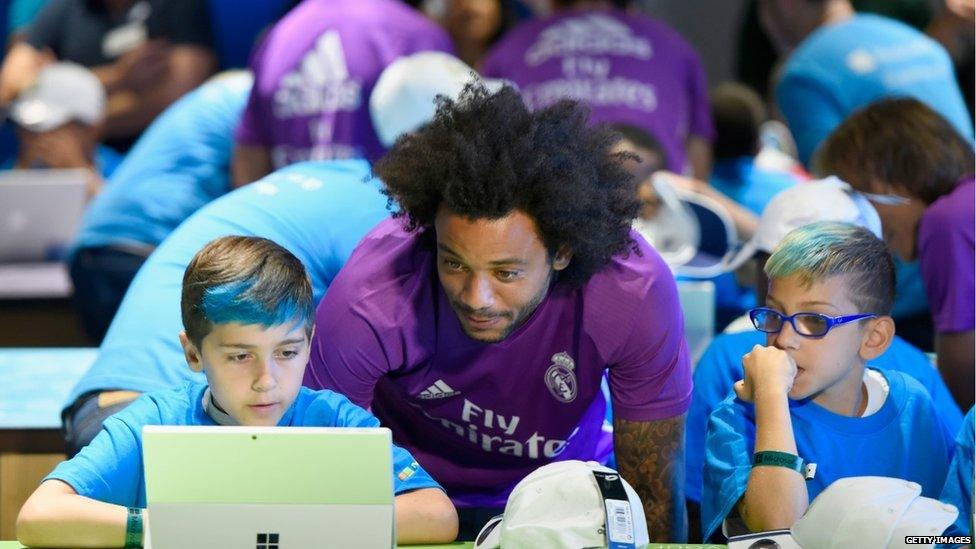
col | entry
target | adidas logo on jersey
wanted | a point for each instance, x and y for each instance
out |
(438, 390)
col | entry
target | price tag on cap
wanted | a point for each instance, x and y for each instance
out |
(619, 515)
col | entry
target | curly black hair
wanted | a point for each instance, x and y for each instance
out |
(485, 155)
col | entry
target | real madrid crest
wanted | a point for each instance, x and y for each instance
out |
(561, 379)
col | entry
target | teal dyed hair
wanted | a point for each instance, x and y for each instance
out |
(825, 249)
(247, 280)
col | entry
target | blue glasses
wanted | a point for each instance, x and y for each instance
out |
(806, 324)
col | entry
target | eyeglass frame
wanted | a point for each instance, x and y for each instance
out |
(831, 322)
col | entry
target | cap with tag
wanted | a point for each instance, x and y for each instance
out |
(569, 504)
(63, 92)
(828, 199)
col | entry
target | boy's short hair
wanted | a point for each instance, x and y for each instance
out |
(821, 250)
(244, 279)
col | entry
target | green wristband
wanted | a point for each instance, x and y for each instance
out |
(784, 459)
(133, 528)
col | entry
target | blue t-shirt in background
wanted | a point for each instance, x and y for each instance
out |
(748, 185)
(905, 439)
(845, 66)
(180, 163)
(958, 489)
(316, 210)
(110, 468)
(721, 366)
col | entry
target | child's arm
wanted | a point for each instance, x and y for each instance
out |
(775, 497)
(56, 516)
(425, 516)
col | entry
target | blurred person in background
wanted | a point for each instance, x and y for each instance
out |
(146, 53)
(313, 74)
(58, 122)
(840, 60)
(474, 25)
(624, 66)
(917, 171)
(739, 113)
(181, 162)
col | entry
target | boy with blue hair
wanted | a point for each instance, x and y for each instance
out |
(248, 316)
(808, 411)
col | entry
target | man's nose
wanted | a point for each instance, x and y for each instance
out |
(478, 293)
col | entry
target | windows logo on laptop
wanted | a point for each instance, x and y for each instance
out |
(267, 541)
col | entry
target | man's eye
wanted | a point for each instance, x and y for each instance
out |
(452, 265)
(239, 357)
(289, 354)
(507, 275)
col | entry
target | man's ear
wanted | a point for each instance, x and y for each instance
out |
(191, 353)
(561, 260)
(877, 337)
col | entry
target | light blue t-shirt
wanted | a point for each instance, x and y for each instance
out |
(845, 66)
(904, 439)
(180, 163)
(748, 185)
(110, 468)
(721, 366)
(316, 210)
(958, 489)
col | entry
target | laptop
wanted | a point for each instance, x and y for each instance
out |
(268, 487)
(39, 213)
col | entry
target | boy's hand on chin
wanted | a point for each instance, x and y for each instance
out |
(767, 370)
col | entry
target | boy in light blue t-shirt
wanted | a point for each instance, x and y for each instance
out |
(248, 318)
(807, 398)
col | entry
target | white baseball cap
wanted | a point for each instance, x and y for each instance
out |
(561, 505)
(828, 199)
(403, 98)
(876, 512)
(63, 92)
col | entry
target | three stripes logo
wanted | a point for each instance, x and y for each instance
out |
(438, 390)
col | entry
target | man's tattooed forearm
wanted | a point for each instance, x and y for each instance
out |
(650, 455)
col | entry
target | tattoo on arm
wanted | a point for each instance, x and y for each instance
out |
(650, 455)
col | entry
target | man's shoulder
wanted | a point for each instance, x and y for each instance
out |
(390, 271)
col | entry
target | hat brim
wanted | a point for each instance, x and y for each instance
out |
(490, 536)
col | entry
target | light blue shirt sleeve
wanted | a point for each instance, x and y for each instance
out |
(810, 110)
(109, 469)
(958, 488)
(728, 462)
(408, 475)
(717, 371)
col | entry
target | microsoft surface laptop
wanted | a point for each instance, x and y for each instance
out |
(268, 487)
(39, 213)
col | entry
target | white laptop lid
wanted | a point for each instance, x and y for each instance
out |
(269, 487)
(39, 213)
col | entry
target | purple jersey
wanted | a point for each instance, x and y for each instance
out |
(627, 68)
(314, 72)
(946, 257)
(480, 416)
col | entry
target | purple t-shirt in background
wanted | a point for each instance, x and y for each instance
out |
(946, 258)
(627, 68)
(315, 70)
(480, 416)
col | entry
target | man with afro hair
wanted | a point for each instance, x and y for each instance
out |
(479, 322)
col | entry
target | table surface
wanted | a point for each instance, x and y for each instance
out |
(36, 382)
(15, 545)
